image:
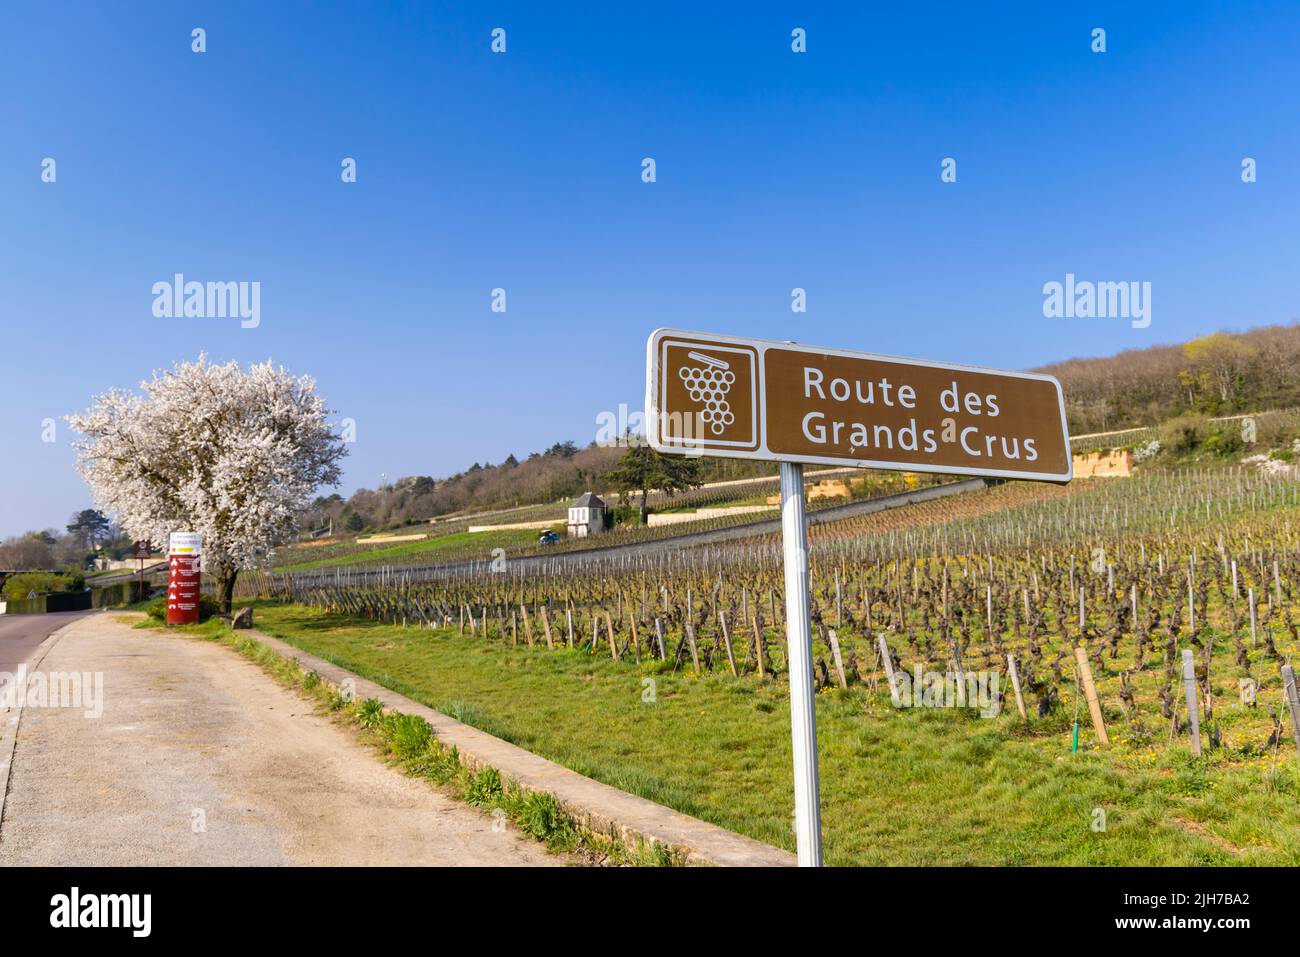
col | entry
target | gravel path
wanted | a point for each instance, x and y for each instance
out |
(191, 732)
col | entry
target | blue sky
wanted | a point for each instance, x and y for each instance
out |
(479, 170)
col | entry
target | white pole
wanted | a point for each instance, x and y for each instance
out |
(803, 716)
(1193, 716)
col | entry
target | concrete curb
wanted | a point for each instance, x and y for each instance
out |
(600, 808)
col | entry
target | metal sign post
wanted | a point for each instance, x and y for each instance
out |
(780, 401)
(798, 629)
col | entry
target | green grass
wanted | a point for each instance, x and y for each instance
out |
(914, 787)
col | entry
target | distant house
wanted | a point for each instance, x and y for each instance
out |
(587, 516)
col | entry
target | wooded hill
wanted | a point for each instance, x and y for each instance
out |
(1218, 374)
(562, 472)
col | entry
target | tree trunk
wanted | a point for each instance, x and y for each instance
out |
(226, 588)
(645, 511)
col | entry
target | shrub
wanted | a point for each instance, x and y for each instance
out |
(1277, 428)
(157, 609)
(484, 788)
(540, 815)
(409, 734)
(336, 700)
(655, 854)
(626, 513)
(370, 713)
(1224, 439)
(1184, 434)
(18, 587)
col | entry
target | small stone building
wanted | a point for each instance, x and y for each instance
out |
(587, 516)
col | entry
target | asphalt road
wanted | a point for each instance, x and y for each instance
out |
(21, 634)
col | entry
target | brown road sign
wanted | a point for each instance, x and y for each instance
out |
(757, 399)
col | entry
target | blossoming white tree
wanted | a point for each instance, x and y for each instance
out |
(214, 449)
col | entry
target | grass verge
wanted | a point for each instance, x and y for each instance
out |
(913, 787)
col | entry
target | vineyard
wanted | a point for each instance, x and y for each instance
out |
(1038, 594)
(450, 541)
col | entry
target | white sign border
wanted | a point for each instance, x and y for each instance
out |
(764, 453)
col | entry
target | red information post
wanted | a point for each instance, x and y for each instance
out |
(184, 557)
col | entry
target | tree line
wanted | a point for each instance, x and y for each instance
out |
(1218, 374)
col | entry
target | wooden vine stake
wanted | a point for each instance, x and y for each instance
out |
(1090, 693)
(888, 659)
(528, 626)
(546, 626)
(835, 653)
(1015, 686)
(690, 640)
(758, 646)
(1292, 702)
(726, 643)
(613, 642)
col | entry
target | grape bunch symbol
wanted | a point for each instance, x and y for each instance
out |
(709, 382)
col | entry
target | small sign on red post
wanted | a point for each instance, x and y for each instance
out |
(184, 555)
(143, 552)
